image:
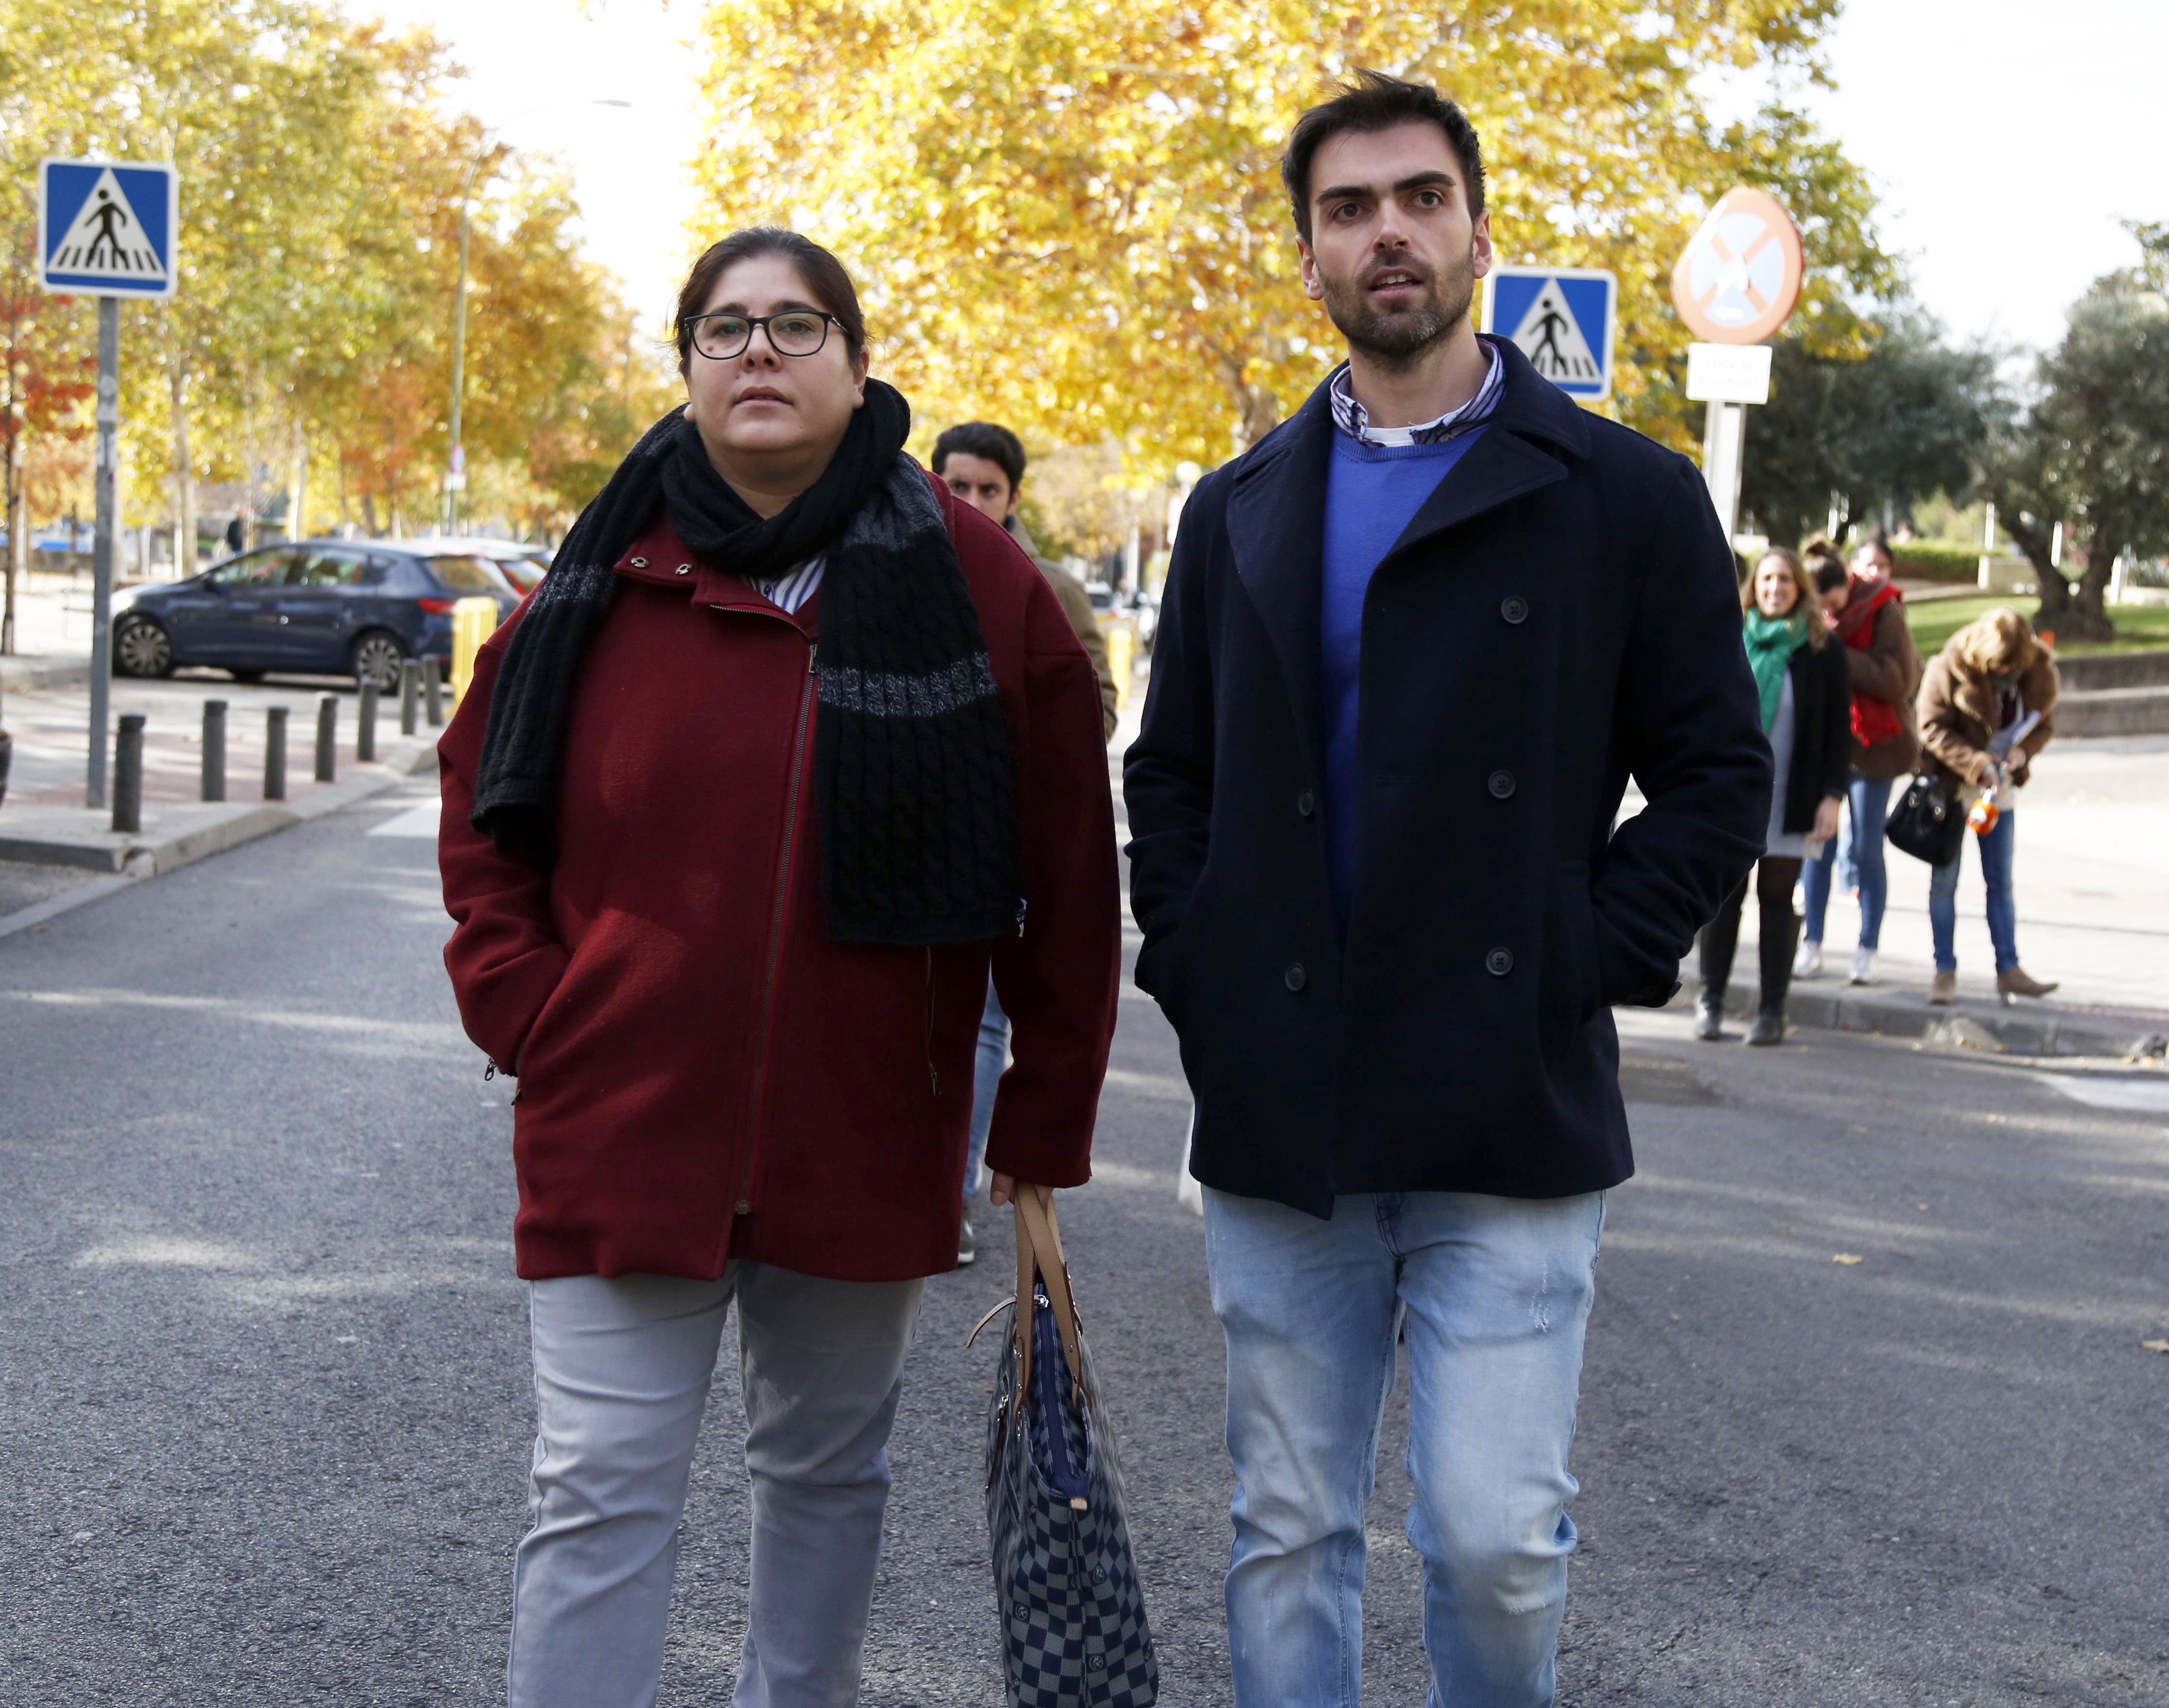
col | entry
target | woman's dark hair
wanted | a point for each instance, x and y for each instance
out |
(1829, 573)
(1880, 541)
(1377, 102)
(998, 444)
(824, 275)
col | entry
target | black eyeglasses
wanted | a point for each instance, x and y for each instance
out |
(796, 332)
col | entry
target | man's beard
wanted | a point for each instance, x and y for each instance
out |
(1397, 339)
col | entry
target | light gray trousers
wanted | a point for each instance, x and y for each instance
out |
(623, 1369)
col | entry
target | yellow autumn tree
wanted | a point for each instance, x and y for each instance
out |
(1067, 213)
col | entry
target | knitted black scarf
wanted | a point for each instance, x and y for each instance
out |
(915, 771)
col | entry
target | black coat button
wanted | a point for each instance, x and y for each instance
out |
(1501, 784)
(1499, 962)
(1297, 978)
(1304, 804)
(1514, 608)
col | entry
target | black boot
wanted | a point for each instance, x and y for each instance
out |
(1780, 938)
(1717, 942)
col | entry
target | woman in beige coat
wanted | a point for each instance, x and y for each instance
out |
(1975, 701)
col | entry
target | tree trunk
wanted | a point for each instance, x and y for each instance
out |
(184, 475)
(2090, 619)
(18, 539)
(1257, 411)
(2063, 613)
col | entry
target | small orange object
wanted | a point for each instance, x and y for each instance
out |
(1985, 813)
(2047, 636)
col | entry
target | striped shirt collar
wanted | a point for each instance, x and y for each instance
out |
(1349, 416)
(791, 590)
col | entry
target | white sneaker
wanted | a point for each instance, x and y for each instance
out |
(1809, 962)
(1863, 966)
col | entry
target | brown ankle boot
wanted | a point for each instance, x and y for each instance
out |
(1944, 990)
(2017, 983)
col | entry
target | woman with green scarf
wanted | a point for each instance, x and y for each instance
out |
(1806, 710)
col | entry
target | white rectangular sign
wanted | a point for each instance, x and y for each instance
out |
(1728, 373)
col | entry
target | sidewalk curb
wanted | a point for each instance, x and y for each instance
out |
(17, 671)
(2028, 1029)
(128, 862)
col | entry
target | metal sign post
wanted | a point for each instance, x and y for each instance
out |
(102, 542)
(1729, 377)
(108, 229)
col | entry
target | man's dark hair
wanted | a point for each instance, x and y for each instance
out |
(998, 444)
(829, 285)
(1377, 102)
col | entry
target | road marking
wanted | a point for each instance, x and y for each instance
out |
(2149, 1097)
(418, 820)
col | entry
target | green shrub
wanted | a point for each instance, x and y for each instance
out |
(1929, 560)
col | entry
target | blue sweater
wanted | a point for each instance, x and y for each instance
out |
(1372, 492)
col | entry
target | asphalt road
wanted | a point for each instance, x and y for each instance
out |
(263, 1425)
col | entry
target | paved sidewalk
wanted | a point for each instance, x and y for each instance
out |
(2093, 890)
(45, 828)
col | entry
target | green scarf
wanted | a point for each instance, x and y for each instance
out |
(1771, 641)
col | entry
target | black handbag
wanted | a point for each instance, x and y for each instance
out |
(1929, 822)
(1073, 1626)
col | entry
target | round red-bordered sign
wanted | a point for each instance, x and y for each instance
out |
(1740, 275)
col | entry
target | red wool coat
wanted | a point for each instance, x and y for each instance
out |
(703, 1075)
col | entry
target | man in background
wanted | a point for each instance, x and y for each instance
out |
(984, 465)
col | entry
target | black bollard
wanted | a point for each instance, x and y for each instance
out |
(326, 738)
(214, 750)
(433, 703)
(274, 753)
(128, 774)
(365, 724)
(410, 696)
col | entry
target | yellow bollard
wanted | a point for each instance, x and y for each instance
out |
(474, 621)
(1122, 632)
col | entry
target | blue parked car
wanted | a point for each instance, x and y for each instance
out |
(357, 608)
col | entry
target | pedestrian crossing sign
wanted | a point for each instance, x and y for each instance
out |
(1561, 318)
(107, 228)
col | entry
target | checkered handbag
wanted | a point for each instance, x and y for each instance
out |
(1074, 1633)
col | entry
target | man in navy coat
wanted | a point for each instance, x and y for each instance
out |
(1415, 642)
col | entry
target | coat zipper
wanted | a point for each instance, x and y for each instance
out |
(777, 922)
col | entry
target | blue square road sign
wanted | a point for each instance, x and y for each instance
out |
(1562, 318)
(108, 228)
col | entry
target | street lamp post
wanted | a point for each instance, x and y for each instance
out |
(455, 473)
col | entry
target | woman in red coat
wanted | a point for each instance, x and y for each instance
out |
(788, 749)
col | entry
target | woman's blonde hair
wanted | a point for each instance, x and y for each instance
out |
(1804, 590)
(1996, 642)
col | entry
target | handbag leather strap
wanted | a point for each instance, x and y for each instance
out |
(1039, 1247)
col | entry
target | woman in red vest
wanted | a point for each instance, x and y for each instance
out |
(1868, 613)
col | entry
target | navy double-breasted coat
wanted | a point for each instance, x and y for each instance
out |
(1562, 613)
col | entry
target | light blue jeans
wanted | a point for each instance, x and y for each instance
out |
(986, 1073)
(1868, 811)
(1496, 1293)
(1995, 853)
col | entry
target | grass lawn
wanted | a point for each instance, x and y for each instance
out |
(1934, 620)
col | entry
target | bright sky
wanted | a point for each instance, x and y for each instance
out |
(2006, 139)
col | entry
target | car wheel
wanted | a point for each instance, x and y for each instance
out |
(376, 657)
(141, 648)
